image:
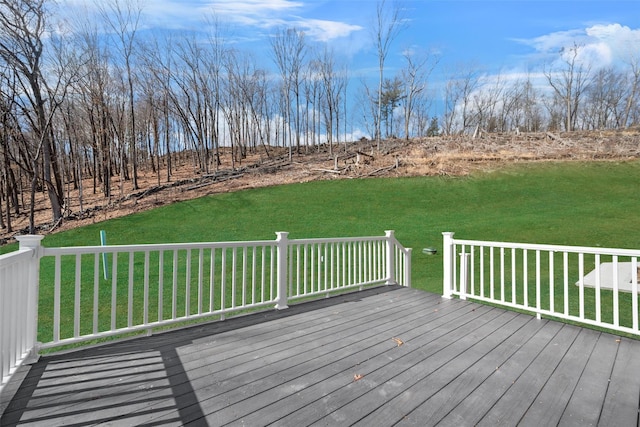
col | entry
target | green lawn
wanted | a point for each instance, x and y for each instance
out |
(590, 204)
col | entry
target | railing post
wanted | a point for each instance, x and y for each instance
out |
(464, 274)
(391, 261)
(448, 258)
(282, 243)
(32, 242)
(407, 269)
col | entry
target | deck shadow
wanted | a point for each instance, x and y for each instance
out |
(108, 391)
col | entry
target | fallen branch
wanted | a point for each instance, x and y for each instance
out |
(204, 184)
(328, 171)
(57, 223)
(365, 154)
(377, 171)
(151, 190)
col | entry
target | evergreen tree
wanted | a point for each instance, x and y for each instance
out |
(392, 93)
(434, 128)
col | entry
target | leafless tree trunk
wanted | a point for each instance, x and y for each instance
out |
(386, 27)
(569, 83)
(530, 104)
(22, 32)
(94, 90)
(484, 104)
(634, 88)
(367, 106)
(289, 50)
(332, 85)
(414, 76)
(458, 97)
(123, 16)
(6, 131)
(603, 100)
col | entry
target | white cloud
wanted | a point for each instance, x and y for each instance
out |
(598, 45)
(595, 53)
(252, 7)
(248, 19)
(621, 40)
(279, 13)
(322, 30)
(552, 42)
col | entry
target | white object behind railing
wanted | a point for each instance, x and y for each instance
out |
(18, 305)
(149, 286)
(566, 282)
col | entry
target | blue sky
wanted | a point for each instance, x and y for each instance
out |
(492, 34)
(508, 37)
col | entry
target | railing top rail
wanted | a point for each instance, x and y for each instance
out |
(337, 240)
(551, 248)
(72, 250)
(15, 256)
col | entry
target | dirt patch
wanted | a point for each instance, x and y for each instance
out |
(420, 157)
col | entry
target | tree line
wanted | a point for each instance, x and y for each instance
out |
(98, 103)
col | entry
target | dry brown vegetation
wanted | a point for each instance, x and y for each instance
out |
(420, 157)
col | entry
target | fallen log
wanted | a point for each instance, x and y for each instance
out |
(214, 181)
(377, 171)
(328, 171)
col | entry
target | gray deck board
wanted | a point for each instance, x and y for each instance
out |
(551, 402)
(455, 396)
(419, 374)
(313, 402)
(622, 394)
(584, 407)
(479, 401)
(514, 403)
(381, 357)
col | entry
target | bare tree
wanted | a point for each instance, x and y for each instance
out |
(311, 90)
(603, 100)
(9, 134)
(94, 91)
(366, 107)
(459, 90)
(22, 34)
(246, 92)
(289, 50)
(633, 91)
(485, 101)
(530, 105)
(158, 66)
(555, 107)
(194, 98)
(417, 70)
(386, 27)
(330, 92)
(569, 82)
(123, 16)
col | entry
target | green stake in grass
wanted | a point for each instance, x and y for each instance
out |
(105, 261)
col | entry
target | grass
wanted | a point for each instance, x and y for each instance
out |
(589, 204)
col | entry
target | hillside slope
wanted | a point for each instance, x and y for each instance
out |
(455, 156)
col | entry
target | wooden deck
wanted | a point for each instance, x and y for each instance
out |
(382, 357)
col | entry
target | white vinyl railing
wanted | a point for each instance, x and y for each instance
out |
(591, 286)
(321, 265)
(92, 292)
(18, 305)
